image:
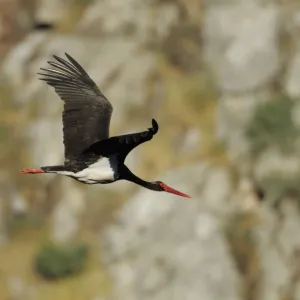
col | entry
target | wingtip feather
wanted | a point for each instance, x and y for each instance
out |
(56, 57)
(69, 57)
(154, 126)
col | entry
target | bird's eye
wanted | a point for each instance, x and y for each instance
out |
(162, 185)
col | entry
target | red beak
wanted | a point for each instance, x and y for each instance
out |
(31, 171)
(173, 191)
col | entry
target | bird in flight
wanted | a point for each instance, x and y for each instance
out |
(91, 156)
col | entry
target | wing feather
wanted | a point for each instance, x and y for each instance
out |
(87, 112)
(123, 144)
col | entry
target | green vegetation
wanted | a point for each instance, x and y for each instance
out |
(272, 126)
(57, 261)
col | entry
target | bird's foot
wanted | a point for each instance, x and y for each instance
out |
(31, 171)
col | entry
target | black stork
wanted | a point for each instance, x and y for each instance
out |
(91, 156)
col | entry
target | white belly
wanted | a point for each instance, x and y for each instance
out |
(103, 171)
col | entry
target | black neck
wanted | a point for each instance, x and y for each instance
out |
(128, 175)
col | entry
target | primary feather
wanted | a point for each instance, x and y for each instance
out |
(87, 112)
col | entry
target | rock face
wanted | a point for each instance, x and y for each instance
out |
(67, 213)
(12, 205)
(175, 250)
(241, 40)
(51, 11)
(242, 47)
(167, 247)
(158, 249)
(142, 21)
(244, 56)
(148, 59)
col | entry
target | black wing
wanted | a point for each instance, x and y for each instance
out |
(123, 144)
(87, 112)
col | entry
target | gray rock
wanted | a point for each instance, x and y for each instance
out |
(245, 196)
(15, 65)
(235, 111)
(129, 89)
(51, 11)
(19, 205)
(67, 213)
(141, 20)
(272, 162)
(189, 141)
(45, 153)
(241, 43)
(232, 117)
(165, 247)
(19, 289)
(12, 204)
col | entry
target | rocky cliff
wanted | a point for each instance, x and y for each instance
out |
(221, 78)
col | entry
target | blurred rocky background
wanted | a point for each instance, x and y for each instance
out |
(222, 78)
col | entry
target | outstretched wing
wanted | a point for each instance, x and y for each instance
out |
(87, 112)
(123, 144)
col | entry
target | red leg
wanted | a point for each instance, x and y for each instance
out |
(31, 171)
